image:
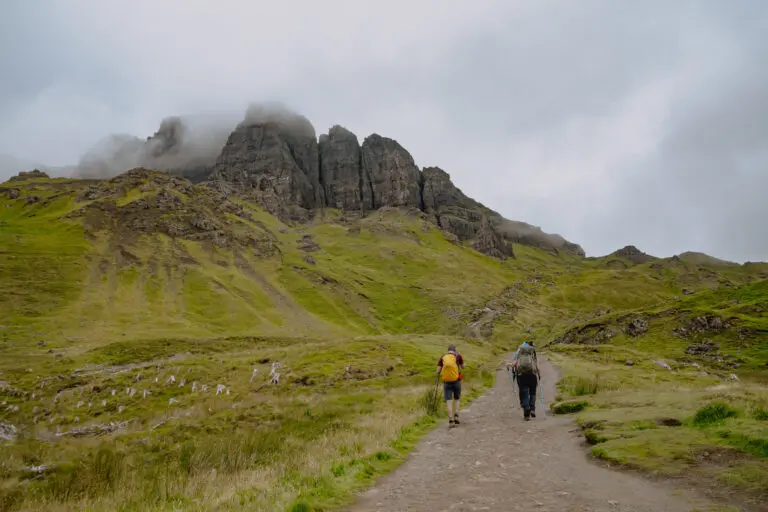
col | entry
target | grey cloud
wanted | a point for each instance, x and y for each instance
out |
(703, 187)
(192, 142)
(611, 123)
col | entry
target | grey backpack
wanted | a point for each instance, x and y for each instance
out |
(526, 360)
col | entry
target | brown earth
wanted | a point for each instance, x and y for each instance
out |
(495, 461)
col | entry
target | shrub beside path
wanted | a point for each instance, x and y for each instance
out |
(495, 461)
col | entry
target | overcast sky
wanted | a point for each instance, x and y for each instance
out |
(608, 122)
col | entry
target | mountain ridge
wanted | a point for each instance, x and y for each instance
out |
(274, 156)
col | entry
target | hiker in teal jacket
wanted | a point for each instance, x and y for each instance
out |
(526, 367)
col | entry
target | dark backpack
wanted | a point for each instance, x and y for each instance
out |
(526, 360)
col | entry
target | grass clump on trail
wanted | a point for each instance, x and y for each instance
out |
(569, 407)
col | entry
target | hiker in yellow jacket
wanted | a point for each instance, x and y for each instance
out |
(449, 368)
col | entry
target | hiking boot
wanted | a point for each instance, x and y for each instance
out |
(533, 414)
(527, 415)
(450, 422)
(456, 419)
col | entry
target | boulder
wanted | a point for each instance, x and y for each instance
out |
(307, 243)
(705, 347)
(637, 327)
(8, 432)
(12, 193)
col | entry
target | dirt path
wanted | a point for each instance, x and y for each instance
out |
(494, 461)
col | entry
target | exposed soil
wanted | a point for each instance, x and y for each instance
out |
(495, 461)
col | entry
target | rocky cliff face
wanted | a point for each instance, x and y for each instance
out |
(341, 171)
(489, 242)
(449, 207)
(394, 178)
(274, 160)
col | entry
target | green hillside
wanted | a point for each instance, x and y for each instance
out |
(677, 389)
(140, 319)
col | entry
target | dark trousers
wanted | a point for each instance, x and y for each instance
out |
(527, 385)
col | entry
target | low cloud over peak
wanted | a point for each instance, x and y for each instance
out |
(611, 124)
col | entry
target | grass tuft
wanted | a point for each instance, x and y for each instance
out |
(713, 413)
(760, 413)
(594, 436)
(570, 407)
(431, 399)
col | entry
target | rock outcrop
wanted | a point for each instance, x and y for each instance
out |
(526, 234)
(393, 176)
(633, 254)
(30, 175)
(489, 242)
(703, 348)
(637, 327)
(273, 159)
(167, 205)
(341, 171)
(702, 324)
(449, 207)
(168, 139)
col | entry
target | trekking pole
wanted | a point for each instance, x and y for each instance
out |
(514, 396)
(541, 395)
(433, 406)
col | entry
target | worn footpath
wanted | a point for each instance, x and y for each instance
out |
(495, 461)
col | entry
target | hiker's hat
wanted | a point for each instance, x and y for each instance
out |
(451, 348)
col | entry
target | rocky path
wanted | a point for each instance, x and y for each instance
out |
(494, 461)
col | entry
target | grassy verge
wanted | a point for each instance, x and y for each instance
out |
(345, 412)
(681, 422)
